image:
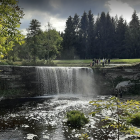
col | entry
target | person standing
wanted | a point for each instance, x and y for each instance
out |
(99, 61)
(103, 62)
(91, 64)
(108, 61)
(95, 61)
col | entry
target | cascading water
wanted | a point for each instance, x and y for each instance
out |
(60, 80)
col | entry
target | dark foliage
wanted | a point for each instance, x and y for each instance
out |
(107, 37)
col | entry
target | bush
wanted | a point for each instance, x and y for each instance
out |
(6, 62)
(134, 119)
(76, 119)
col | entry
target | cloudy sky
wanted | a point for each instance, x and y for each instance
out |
(57, 11)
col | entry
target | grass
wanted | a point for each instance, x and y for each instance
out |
(127, 61)
(86, 62)
(81, 62)
(76, 63)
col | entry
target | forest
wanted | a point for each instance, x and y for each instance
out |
(84, 37)
(105, 37)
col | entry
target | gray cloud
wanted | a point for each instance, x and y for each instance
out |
(64, 8)
(45, 10)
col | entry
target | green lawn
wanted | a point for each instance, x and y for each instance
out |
(128, 61)
(71, 63)
(86, 62)
(81, 63)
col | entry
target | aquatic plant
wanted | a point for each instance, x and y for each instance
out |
(76, 118)
(134, 119)
(120, 117)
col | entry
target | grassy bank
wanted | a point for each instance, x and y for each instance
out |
(127, 61)
(76, 63)
(86, 62)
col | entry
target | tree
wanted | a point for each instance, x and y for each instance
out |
(91, 35)
(51, 45)
(132, 38)
(68, 39)
(110, 35)
(105, 31)
(83, 36)
(32, 39)
(76, 44)
(10, 15)
(101, 35)
(120, 38)
(24, 51)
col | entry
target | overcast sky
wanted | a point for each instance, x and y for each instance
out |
(57, 11)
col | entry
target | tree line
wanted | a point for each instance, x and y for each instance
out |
(42, 45)
(83, 37)
(108, 37)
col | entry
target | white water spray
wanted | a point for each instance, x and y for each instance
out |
(65, 80)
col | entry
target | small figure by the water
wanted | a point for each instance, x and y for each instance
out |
(103, 62)
(108, 61)
(99, 61)
(93, 63)
(90, 64)
(118, 92)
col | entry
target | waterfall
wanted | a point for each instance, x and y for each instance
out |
(62, 80)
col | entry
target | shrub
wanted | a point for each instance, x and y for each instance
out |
(76, 119)
(6, 62)
(134, 119)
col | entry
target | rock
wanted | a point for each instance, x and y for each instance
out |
(45, 137)
(124, 84)
(31, 136)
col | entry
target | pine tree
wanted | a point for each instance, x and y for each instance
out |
(120, 38)
(101, 35)
(84, 36)
(105, 31)
(110, 33)
(91, 35)
(132, 37)
(68, 40)
(76, 24)
(33, 31)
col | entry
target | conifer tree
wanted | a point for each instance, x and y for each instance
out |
(120, 38)
(68, 40)
(84, 36)
(91, 35)
(76, 23)
(132, 38)
(33, 31)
